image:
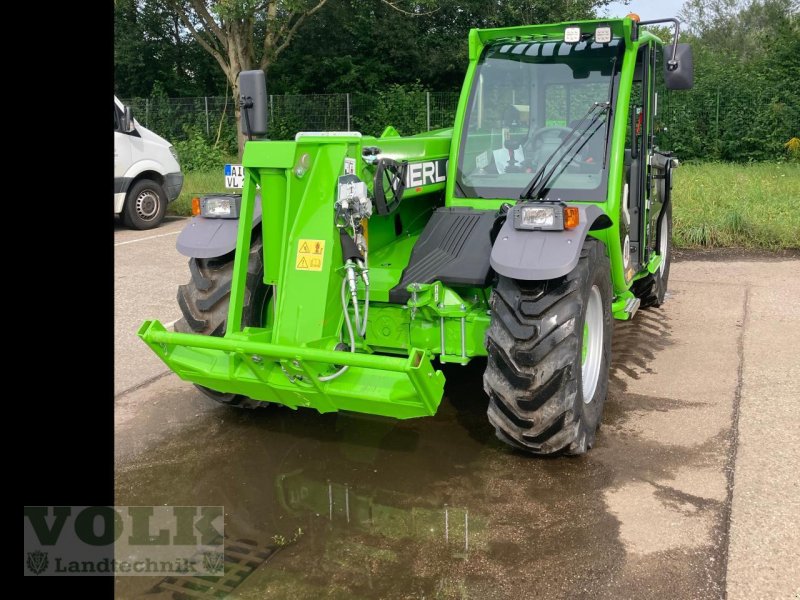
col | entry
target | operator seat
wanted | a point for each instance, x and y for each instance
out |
(539, 152)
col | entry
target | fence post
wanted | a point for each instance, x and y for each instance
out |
(147, 112)
(348, 110)
(208, 129)
(717, 116)
(428, 109)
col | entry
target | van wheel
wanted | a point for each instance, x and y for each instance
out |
(145, 205)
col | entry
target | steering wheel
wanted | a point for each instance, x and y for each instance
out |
(549, 131)
(533, 147)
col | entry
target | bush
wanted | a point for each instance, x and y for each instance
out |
(196, 153)
(793, 149)
(402, 106)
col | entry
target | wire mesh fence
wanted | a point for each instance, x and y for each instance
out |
(726, 124)
(214, 117)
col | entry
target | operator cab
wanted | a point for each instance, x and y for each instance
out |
(531, 97)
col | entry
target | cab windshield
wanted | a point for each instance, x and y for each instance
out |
(526, 98)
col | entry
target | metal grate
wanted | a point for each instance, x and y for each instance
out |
(242, 558)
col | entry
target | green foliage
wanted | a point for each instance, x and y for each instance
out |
(361, 46)
(745, 104)
(197, 153)
(152, 51)
(402, 106)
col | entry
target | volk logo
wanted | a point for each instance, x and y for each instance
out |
(123, 540)
(214, 561)
(37, 561)
(429, 172)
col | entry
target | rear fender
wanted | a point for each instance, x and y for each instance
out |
(209, 238)
(539, 255)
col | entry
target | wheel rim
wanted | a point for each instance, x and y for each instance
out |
(592, 350)
(663, 241)
(147, 205)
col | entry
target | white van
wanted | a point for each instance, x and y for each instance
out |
(147, 175)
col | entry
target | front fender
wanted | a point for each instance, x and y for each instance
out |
(539, 255)
(142, 165)
(209, 238)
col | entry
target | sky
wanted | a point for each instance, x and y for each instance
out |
(646, 9)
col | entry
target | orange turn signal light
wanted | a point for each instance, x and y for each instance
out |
(571, 217)
(633, 17)
(195, 206)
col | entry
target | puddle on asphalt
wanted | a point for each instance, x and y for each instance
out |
(343, 506)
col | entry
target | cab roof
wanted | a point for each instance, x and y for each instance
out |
(479, 38)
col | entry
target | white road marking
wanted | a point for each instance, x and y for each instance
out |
(150, 237)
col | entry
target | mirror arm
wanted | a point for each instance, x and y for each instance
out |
(672, 64)
(245, 104)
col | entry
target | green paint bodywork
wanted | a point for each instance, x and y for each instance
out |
(392, 373)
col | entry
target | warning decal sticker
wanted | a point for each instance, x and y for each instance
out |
(310, 254)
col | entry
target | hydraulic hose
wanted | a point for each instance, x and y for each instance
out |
(349, 326)
(363, 330)
(360, 324)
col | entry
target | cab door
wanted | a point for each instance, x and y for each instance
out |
(638, 158)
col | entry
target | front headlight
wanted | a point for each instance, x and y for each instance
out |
(537, 216)
(220, 207)
(173, 152)
(555, 217)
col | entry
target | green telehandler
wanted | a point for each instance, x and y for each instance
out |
(349, 263)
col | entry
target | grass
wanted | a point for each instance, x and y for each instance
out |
(717, 205)
(727, 205)
(197, 183)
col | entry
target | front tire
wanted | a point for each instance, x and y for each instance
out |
(204, 303)
(549, 347)
(145, 205)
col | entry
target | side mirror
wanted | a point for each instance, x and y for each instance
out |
(127, 120)
(678, 70)
(253, 102)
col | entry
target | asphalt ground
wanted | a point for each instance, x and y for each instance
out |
(690, 492)
(147, 272)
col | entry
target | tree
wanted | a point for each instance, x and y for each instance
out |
(366, 45)
(152, 53)
(243, 34)
(739, 29)
(744, 105)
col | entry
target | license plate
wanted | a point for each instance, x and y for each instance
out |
(234, 176)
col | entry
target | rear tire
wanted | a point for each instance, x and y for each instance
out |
(652, 288)
(537, 358)
(204, 302)
(145, 205)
